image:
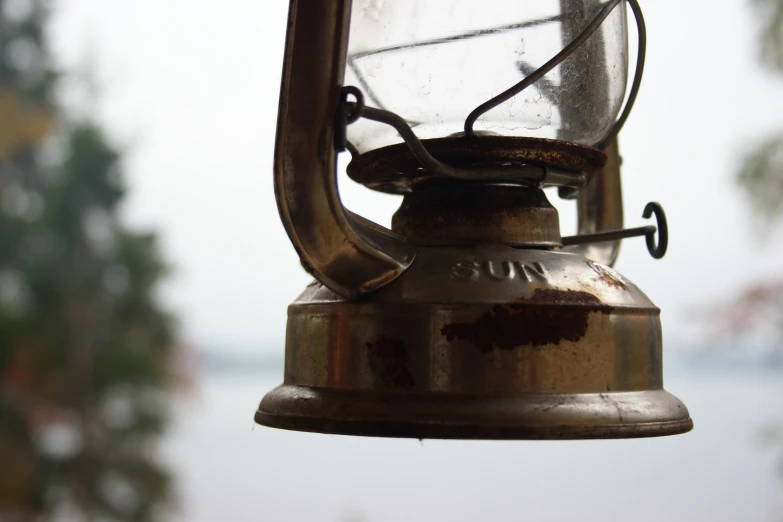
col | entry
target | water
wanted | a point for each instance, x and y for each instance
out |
(230, 469)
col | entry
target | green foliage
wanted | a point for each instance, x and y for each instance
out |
(762, 178)
(85, 349)
(771, 16)
(761, 175)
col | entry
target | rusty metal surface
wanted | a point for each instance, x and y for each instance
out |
(483, 342)
(547, 318)
(458, 213)
(341, 251)
(395, 170)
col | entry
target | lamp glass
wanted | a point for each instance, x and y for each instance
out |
(433, 61)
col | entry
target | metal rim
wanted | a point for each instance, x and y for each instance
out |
(394, 169)
(468, 431)
(464, 422)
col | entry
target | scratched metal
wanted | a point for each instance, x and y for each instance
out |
(482, 342)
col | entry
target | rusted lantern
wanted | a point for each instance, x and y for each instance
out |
(472, 317)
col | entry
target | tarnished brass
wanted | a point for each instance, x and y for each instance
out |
(467, 320)
(483, 342)
(348, 255)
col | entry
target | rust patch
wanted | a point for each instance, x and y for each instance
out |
(388, 360)
(551, 296)
(549, 317)
(608, 276)
(612, 281)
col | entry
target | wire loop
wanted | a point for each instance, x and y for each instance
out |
(657, 250)
(358, 108)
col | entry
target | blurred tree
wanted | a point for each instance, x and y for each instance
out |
(761, 177)
(762, 172)
(85, 351)
(770, 14)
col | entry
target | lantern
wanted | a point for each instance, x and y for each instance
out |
(472, 317)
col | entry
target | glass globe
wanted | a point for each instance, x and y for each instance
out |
(434, 61)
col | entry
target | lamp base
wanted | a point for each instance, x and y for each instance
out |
(450, 416)
(484, 342)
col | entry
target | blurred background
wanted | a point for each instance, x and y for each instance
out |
(144, 279)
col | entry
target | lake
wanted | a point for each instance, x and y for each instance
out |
(230, 469)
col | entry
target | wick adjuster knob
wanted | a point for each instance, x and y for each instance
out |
(657, 249)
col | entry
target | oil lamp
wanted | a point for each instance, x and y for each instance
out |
(472, 317)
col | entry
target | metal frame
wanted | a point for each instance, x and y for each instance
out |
(346, 253)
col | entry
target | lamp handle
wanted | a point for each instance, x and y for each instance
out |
(347, 253)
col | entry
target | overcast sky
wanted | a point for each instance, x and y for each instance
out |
(189, 89)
